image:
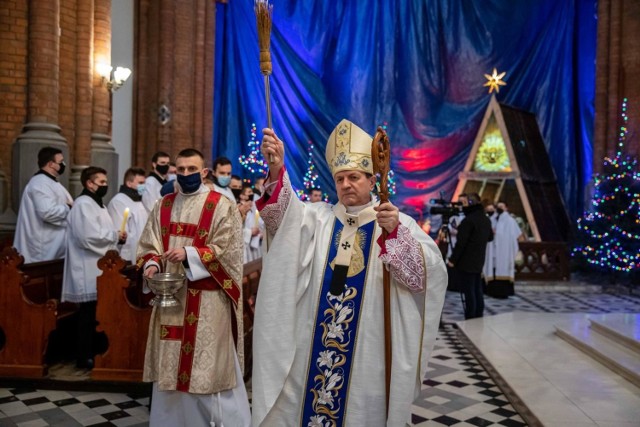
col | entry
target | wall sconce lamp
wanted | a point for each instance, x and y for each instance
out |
(112, 79)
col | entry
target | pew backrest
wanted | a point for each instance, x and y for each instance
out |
(29, 310)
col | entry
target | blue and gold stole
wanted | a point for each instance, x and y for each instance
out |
(336, 327)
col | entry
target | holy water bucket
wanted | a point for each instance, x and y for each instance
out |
(165, 286)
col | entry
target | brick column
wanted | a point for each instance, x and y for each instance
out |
(14, 18)
(174, 67)
(617, 70)
(85, 69)
(141, 117)
(168, 62)
(102, 152)
(205, 84)
(608, 74)
(43, 92)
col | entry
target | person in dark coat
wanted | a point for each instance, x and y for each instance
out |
(467, 259)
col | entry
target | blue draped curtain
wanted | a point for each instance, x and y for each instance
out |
(418, 66)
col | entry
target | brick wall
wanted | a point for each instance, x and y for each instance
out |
(84, 69)
(44, 61)
(14, 17)
(47, 55)
(67, 75)
(101, 53)
(617, 76)
(174, 67)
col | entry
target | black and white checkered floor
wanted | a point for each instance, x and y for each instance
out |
(39, 408)
(457, 390)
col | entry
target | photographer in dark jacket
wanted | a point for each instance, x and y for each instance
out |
(468, 255)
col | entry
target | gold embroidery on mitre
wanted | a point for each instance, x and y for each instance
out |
(349, 148)
(191, 319)
(183, 377)
(207, 257)
(227, 284)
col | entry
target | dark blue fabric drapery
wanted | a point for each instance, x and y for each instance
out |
(417, 65)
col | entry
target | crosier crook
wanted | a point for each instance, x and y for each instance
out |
(381, 157)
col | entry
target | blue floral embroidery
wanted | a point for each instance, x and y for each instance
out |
(333, 343)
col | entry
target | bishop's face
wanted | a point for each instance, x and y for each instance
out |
(354, 187)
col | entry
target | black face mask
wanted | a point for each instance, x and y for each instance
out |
(236, 192)
(189, 183)
(489, 213)
(500, 211)
(101, 191)
(62, 166)
(162, 169)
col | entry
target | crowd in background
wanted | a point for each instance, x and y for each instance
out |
(53, 225)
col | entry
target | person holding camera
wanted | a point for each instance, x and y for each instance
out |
(467, 259)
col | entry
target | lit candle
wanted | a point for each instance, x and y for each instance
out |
(124, 219)
(257, 224)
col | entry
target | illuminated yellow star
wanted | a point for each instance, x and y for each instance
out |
(495, 81)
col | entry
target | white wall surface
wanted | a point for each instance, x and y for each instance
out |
(122, 55)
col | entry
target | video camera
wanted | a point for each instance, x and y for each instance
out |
(446, 209)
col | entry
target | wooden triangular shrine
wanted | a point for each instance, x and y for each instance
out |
(509, 161)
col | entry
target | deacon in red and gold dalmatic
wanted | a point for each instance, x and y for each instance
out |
(192, 348)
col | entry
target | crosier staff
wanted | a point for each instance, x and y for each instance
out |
(264, 10)
(380, 155)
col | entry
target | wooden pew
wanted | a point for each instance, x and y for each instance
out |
(29, 310)
(544, 261)
(251, 277)
(123, 314)
(6, 239)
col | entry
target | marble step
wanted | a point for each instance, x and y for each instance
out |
(619, 358)
(623, 328)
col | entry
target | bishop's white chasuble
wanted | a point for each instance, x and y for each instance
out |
(318, 353)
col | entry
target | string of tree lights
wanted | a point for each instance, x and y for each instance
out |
(609, 234)
(254, 163)
(310, 177)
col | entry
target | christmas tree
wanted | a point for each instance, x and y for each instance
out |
(310, 177)
(609, 235)
(254, 163)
